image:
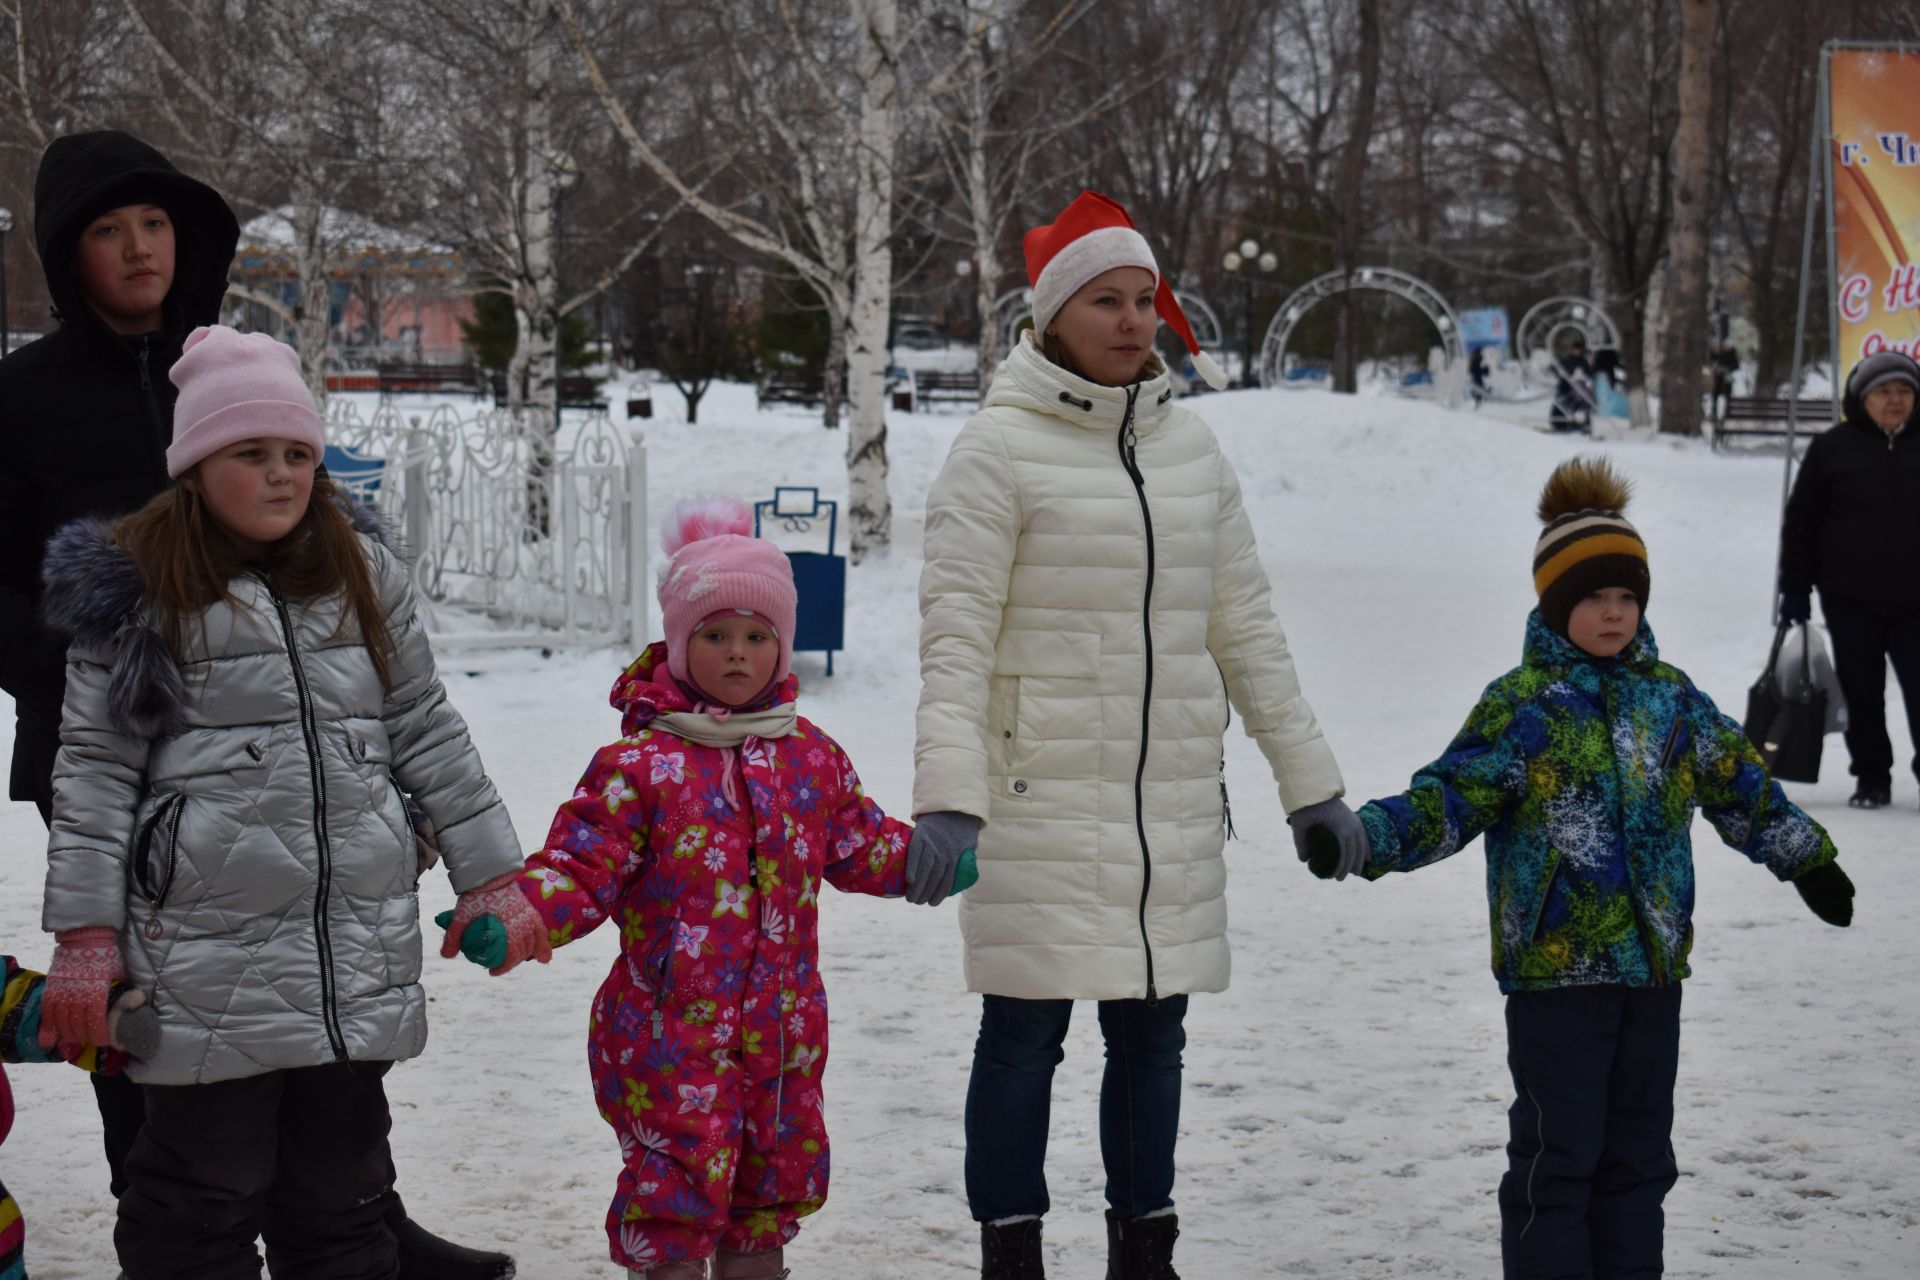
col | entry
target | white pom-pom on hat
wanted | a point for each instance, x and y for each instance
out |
(697, 519)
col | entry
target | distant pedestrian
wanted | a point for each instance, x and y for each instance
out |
(1852, 531)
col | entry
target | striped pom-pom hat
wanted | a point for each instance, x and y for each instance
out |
(1587, 543)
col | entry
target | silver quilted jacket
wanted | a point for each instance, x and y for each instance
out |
(240, 817)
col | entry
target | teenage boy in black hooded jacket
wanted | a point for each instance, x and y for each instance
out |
(136, 256)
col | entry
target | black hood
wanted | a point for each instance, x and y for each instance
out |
(82, 175)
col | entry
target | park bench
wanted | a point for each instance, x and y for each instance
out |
(945, 384)
(428, 377)
(790, 386)
(1767, 416)
(356, 473)
(577, 391)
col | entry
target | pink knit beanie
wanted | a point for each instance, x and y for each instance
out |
(237, 386)
(716, 565)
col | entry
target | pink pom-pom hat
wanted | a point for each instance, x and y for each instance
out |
(715, 565)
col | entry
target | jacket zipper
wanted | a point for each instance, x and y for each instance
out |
(160, 433)
(310, 731)
(1128, 459)
(1226, 805)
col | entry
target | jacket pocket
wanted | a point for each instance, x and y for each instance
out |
(156, 856)
(652, 971)
(1047, 653)
(1546, 896)
(1029, 668)
(423, 851)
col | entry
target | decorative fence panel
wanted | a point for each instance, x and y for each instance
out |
(513, 539)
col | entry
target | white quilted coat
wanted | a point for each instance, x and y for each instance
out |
(1081, 633)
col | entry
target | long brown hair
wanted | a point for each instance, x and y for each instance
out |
(188, 562)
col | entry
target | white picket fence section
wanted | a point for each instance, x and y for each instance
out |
(459, 490)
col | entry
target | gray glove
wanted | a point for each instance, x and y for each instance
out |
(938, 841)
(1342, 824)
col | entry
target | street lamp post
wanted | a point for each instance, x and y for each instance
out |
(6, 316)
(1243, 263)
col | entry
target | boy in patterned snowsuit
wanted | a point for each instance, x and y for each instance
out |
(1584, 766)
(704, 833)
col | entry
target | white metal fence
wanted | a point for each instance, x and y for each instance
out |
(500, 556)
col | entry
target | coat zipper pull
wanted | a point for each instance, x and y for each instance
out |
(1131, 447)
(153, 929)
(656, 1024)
(146, 376)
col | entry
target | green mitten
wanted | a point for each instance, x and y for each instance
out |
(485, 941)
(1323, 851)
(966, 871)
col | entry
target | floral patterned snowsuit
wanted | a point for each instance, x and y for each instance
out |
(708, 1039)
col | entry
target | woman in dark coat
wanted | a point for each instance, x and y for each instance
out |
(1853, 532)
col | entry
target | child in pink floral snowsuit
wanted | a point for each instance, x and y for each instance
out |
(705, 833)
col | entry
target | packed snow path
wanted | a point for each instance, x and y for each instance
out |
(1345, 1107)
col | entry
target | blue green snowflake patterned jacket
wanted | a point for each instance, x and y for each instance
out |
(1584, 774)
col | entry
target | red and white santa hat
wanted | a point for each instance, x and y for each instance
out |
(1092, 236)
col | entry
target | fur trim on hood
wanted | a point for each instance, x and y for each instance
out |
(96, 597)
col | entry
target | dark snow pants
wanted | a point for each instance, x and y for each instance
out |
(1590, 1142)
(299, 1156)
(1864, 637)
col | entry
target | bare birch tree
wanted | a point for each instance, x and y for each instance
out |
(1582, 104)
(62, 69)
(1686, 331)
(835, 230)
(993, 122)
(279, 87)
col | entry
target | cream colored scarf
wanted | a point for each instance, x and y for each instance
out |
(722, 728)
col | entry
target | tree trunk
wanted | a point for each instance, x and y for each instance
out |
(1350, 193)
(833, 388)
(1685, 346)
(316, 290)
(981, 222)
(869, 506)
(538, 291)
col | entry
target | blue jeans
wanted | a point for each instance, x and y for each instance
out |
(1011, 1088)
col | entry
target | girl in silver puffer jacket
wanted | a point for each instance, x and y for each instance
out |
(250, 697)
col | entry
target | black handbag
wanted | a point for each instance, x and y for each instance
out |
(1787, 728)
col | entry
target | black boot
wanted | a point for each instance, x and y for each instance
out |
(1011, 1252)
(425, 1256)
(1141, 1248)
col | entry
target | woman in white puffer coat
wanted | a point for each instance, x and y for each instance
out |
(1092, 601)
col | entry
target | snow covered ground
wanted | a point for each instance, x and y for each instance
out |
(1345, 1103)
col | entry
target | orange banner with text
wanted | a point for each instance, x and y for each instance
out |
(1875, 181)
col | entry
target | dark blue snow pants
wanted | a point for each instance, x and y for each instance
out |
(1590, 1142)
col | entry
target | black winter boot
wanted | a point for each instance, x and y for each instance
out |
(425, 1256)
(1141, 1248)
(1011, 1252)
